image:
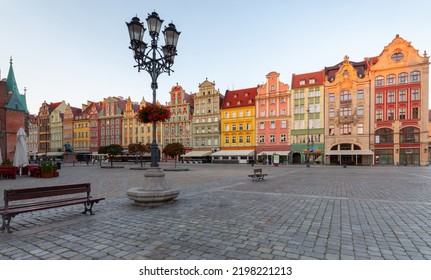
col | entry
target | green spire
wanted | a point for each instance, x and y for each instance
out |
(17, 100)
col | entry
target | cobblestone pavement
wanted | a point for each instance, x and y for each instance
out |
(321, 212)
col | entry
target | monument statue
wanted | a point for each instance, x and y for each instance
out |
(68, 147)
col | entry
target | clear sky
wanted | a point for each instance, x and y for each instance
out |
(78, 50)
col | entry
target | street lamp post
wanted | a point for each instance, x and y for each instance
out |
(153, 59)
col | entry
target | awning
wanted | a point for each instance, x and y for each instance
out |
(234, 153)
(349, 152)
(281, 153)
(197, 154)
(54, 154)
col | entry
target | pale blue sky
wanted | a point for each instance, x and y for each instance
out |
(78, 50)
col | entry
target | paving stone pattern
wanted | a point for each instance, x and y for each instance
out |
(321, 212)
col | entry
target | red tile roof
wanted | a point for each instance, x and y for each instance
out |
(318, 76)
(239, 98)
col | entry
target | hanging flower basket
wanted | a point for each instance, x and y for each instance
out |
(151, 113)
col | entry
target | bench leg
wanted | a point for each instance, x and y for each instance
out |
(6, 224)
(88, 208)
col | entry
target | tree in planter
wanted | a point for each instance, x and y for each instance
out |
(111, 151)
(174, 150)
(139, 149)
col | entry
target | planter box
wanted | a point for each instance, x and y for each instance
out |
(46, 175)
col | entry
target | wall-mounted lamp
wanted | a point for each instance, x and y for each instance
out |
(425, 150)
(396, 151)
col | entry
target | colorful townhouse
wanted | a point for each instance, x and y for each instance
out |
(347, 114)
(238, 127)
(33, 136)
(44, 123)
(131, 126)
(206, 121)
(68, 118)
(56, 129)
(81, 130)
(400, 84)
(307, 129)
(94, 109)
(111, 121)
(178, 128)
(273, 123)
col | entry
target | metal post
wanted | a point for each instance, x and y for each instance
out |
(308, 140)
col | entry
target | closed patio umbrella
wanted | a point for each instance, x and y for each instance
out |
(1, 159)
(20, 158)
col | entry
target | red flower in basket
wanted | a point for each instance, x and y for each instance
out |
(151, 113)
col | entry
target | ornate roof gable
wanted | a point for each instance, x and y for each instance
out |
(399, 53)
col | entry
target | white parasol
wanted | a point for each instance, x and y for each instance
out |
(20, 158)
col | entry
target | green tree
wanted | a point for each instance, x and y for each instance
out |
(111, 151)
(139, 150)
(174, 150)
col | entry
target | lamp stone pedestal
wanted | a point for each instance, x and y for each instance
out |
(155, 191)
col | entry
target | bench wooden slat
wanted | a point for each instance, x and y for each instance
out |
(39, 192)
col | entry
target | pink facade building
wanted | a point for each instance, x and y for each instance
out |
(272, 120)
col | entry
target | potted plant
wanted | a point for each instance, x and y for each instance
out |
(47, 169)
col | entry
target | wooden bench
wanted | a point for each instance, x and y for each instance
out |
(257, 175)
(8, 171)
(45, 198)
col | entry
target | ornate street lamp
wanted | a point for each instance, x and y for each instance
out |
(153, 59)
(307, 159)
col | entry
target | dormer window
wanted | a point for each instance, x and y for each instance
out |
(235, 96)
(302, 82)
(312, 81)
(397, 56)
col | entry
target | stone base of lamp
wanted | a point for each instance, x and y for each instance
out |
(155, 190)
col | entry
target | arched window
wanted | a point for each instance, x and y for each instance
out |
(403, 78)
(409, 135)
(379, 81)
(390, 79)
(384, 136)
(415, 77)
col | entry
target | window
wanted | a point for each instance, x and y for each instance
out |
(272, 112)
(360, 94)
(402, 95)
(272, 125)
(283, 100)
(240, 126)
(379, 98)
(391, 114)
(283, 124)
(379, 115)
(403, 78)
(262, 125)
(302, 82)
(262, 102)
(331, 129)
(345, 111)
(272, 88)
(312, 81)
(331, 112)
(283, 112)
(402, 115)
(331, 98)
(409, 135)
(384, 136)
(345, 129)
(241, 139)
(226, 115)
(247, 139)
(360, 110)
(226, 140)
(345, 96)
(233, 139)
(262, 113)
(233, 127)
(415, 94)
(360, 128)
(282, 138)
(261, 138)
(247, 113)
(272, 138)
(391, 97)
(379, 81)
(415, 77)
(390, 79)
(397, 56)
(226, 127)
(272, 101)
(415, 113)
(240, 114)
